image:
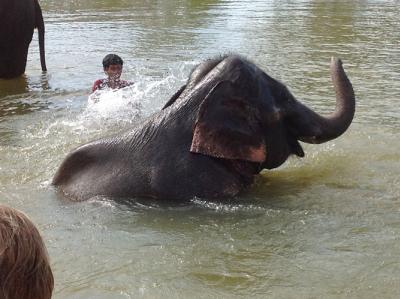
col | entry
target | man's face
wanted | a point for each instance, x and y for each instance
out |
(114, 71)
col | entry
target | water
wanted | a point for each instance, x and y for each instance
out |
(325, 226)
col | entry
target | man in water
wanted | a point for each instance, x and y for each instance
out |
(112, 65)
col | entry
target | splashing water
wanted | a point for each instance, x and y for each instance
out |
(135, 101)
(111, 103)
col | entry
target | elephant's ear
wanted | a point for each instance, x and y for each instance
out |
(228, 126)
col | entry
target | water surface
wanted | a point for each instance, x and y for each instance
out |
(325, 226)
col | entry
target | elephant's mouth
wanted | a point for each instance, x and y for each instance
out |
(245, 170)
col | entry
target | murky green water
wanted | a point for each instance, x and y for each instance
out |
(326, 226)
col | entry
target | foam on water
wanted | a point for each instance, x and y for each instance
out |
(109, 101)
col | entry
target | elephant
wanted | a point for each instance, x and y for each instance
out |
(213, 136)
(18, 20)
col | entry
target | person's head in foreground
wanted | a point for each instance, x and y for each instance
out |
(25, 271)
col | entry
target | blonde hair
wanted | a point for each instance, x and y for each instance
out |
(25, 271)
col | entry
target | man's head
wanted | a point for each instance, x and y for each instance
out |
(112, 65)
(24, 266)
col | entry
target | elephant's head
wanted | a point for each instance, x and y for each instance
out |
(245, 114)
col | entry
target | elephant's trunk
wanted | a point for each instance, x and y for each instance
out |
(311, 127)
(40, 27)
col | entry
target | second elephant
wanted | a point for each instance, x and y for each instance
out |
(18, 19)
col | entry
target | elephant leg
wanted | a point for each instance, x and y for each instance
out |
(14, 63)
(18, 20)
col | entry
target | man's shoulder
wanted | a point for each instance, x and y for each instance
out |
(99, 81)
(99, 84)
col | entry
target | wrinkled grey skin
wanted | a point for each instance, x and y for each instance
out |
(212, 137)
(18, 18)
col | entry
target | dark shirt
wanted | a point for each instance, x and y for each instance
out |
(103, 83)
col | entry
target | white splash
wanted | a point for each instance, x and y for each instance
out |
(109, 102)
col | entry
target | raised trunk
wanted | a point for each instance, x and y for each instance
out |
(311, 127)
